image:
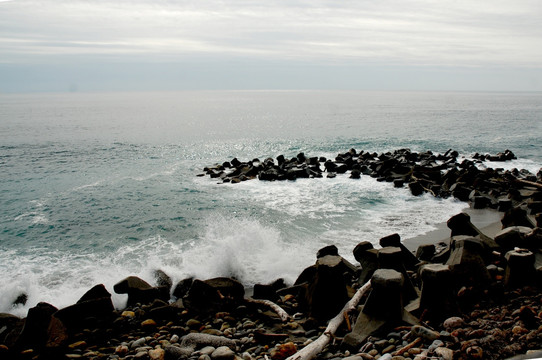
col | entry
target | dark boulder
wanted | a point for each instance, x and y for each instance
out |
(327, 250)
(34, 334)
(416, 188)
(93, 310)
(467, 264)
(97, 292)
(162, 280)
(516, 217)
(213, 295)
(139, 291)
(182, 288)
(327, 292)
(512, 237)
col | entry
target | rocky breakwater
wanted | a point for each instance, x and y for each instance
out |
(442, 175)
(470, 297)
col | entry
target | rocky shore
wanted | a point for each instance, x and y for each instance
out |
(471, 296)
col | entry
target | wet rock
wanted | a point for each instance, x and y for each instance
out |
(182, 288)
(214, 295)
(162, 280)
(327, 250)
(34, 333)
(139, 291)
(327, 293)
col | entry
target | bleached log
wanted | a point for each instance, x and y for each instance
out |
(276, 308)
(313, 349)
(529, 183)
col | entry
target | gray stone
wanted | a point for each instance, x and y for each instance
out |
(424, 333)
(222, 353)
(197, 340)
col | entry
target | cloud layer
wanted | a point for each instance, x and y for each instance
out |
(325, 33)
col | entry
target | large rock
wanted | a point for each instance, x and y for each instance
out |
(34, 334)
(327, 292)
(513, 236)
(214, 295)
(437, 298)
(140, 291)
(516, 217)
(162, 280)
(182, 288)
(383, 309)
(460, 224)
(467, 264)
(394, 240)
(520, 270)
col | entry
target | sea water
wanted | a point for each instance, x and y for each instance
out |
(97, 187)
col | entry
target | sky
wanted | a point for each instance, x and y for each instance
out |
(151, 45)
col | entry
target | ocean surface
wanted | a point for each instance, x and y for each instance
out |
(96, 187)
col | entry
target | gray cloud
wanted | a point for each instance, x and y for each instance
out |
(500, 34)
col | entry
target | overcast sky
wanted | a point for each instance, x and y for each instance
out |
(96, 45)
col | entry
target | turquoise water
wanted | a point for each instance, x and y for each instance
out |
(96, 187)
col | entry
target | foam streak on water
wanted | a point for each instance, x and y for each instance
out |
(92, 191)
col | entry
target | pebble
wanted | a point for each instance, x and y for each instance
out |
(207, 350)
(193, 324)
(222, 353)
(128, 314)
(388, 349)
(121, 350)
(425, 333)
(157, 354)
(380, 344)
(137, 343)
(283, 351)
(475, 352)
(453, 323)
(436, 344)
(444, 353)
(149, 323)
(141, 355)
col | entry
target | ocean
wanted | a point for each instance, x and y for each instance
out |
(97, 187)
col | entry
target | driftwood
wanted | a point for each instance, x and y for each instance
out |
(530, 183)
(277, 309)
(310, 351)
(404, 349)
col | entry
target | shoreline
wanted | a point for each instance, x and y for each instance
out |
(487, 220)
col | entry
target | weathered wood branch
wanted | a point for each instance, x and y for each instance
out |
(276, 308)
(530, 183)
(313, 349)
